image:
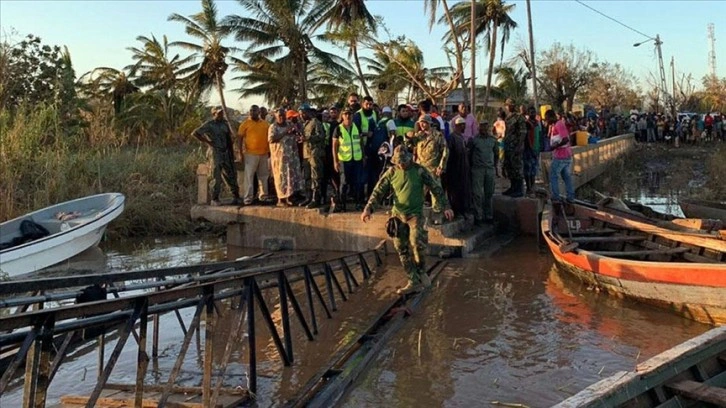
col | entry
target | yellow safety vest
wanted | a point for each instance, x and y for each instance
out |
(326, 126)
(402, 130)
(364, 120)
(349, 144)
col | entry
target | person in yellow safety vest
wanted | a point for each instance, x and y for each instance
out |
(366, 118)
(404, 123)
(347, 150)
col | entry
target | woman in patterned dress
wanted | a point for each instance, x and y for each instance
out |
(284, 159)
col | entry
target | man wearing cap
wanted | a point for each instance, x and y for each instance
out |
(471, 129)
(313, 155)
(514, 134)
(431, 151)
(406, 181)
(484, 154)
(216, 133)
(456, 179)
(348, 143)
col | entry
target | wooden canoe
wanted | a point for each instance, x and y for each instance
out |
(694, 208)
(680, 271)
(692, 374)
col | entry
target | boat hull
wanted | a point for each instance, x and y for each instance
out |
(703, 209)
(76, 236)
(693, 290)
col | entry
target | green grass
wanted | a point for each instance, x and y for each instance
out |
(41, 164)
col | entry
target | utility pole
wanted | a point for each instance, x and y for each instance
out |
(673, 82)
(531, 56)
(473, 57)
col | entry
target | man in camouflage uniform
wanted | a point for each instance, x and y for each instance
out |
(431, 151)
(484, 154)
(314, 155)
(515, 133)
(217, 134)
(406, 182)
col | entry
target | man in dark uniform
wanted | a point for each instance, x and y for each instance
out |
(406, 182)
(217, 134)
(314, 154)
(514, 135)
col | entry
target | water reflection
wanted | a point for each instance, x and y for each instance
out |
(512, 329)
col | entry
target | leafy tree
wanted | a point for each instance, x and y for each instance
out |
(349, 20)
(512, 83)
(714, 90)
(490, 17)
(280, 28)
(207, 27)
(562, 72)
(33, 73)
(454, 35)
(610, 87)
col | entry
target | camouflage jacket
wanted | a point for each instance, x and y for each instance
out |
(407, 187)
(313, 139)
(431, 150)
(515, 132)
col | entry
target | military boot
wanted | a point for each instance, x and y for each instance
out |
(334, 204)
(315, 200)
(306, 200)
(517, 188)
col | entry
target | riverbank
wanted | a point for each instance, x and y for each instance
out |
(659, 170)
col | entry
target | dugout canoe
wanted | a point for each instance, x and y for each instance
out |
(694, 208)
(684, 272)
(691, 374)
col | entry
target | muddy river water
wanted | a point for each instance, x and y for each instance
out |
(511, 329)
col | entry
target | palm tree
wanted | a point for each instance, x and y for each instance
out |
(272, 79)
(349, 21)
(282, 27)
(156, 66)
(207, 27)
(512, 83)
(110, 81)
(431, 7)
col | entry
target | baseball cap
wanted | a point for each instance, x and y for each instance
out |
(386, 109)
(304, 106)
(291, 114)
(460, 121)
(425, 118)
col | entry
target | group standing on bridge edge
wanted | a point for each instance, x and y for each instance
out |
(361, 154)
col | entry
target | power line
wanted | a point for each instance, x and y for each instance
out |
(610, 18)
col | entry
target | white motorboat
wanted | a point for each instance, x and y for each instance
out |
(73, 227)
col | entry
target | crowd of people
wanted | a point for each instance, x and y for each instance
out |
(333, 158)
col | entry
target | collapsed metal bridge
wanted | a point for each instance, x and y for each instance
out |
(42, 324)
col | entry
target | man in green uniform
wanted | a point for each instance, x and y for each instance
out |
(484, 154)
(514, 135)
(217, 134)
(432, 153)
(314, 139)
(406, 181)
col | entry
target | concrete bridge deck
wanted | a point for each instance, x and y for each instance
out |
(270, 227)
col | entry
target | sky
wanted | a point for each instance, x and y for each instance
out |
(98, 33)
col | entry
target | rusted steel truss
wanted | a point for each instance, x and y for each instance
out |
(42, 337)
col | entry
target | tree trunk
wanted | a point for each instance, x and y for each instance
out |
(354, 48)
(303, 88)
(459, 52)
(492, 56)
(220, 88)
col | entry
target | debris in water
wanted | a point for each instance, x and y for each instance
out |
(419, 342)
(509, 404)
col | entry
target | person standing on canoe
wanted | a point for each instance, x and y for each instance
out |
(406, 182)
(559, 137)
(217, 134)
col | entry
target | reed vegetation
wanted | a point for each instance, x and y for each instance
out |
(43, 162)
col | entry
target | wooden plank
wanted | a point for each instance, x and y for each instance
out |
(75, 400)
(702, 240)
(700, 392)
(671, 251)
(688, 256)
(594, 231)
(614, 238)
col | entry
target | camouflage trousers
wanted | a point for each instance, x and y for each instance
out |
(513, 164)
(315, 172)
(438, 180)
(223, 170)
(411, 246)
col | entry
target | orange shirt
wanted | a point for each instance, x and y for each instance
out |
(253, 134)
